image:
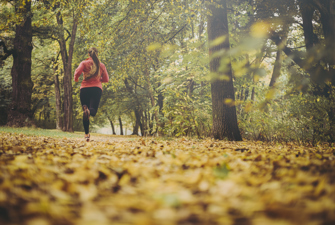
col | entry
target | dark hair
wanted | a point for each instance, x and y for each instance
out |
(93, 53)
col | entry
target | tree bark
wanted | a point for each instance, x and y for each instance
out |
(252, 94)
(137, 122)
(256, 66)
(246, 94)
(311, 64)
(20, 109)
(224, 115)
(58, 104)
(191, 87)
(307, 11)
(319, 73)
(151, 94)
(136, 108)
(276, 68)
(120, 122)
(160, 103)
(242, 94)
(145, 123)
(112, 125)
(135, 128)
(327, 10)
(279, 58)
(67, 64)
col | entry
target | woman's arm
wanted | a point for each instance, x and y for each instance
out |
(104, 74)
(79, 71)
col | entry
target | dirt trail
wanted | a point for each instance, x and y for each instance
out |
(110, 138)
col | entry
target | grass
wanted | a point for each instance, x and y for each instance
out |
(55, 133)
(41, 132)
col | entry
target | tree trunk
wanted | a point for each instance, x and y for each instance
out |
(67, 64)
(279, 58)
(5, 94)
(246, 94)
(160, 102)
(145, 123)
(256, 66)
(252, 94)
(319, 73)
(110, 121)
(191, 87)
(327, 10)
(307, 11)
(151, 94)
(242, 94)
(58, 104)
(20, 109)
(224, 115)
(112, 125)
(120, 122)
(151, 124)
(135, 128)
(137, 122)
(276, 68)
(311, 64)
(137, 108)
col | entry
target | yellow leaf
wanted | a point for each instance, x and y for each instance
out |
(229, 102)
(153, 46)
(217, 41)
(270, 94)
(260, 29)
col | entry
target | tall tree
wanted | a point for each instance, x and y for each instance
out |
(58, 102)
(120, 123)
(20, 109)
(279, 59)
(224, 110)
(67, 54)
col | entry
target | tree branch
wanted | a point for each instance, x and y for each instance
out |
(316, 70)
(319, 6)
(5, 50)
(175, 34)
(296, 55)
(68, 32)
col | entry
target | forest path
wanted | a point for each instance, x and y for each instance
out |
(135, 180)
(100, 138)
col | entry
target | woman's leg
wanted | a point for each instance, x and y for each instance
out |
(95, 96)
(85, 101)
(91, 98)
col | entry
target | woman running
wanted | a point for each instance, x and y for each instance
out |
(94, 73)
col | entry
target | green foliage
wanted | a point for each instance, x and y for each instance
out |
(160, 50)
(293, 117)
(186, 116)
(42, 74)
(5, 90)
(187, 105)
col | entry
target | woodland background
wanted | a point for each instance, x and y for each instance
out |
(157, 55)
(193, 73)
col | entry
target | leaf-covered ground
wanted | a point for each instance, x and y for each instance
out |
(112, 180)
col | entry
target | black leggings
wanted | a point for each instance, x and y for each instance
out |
(90, 97)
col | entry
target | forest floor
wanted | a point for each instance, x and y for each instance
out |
(53, 180)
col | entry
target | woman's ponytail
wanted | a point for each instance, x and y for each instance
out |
(93, 53)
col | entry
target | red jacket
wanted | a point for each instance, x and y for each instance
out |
(85, 66)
